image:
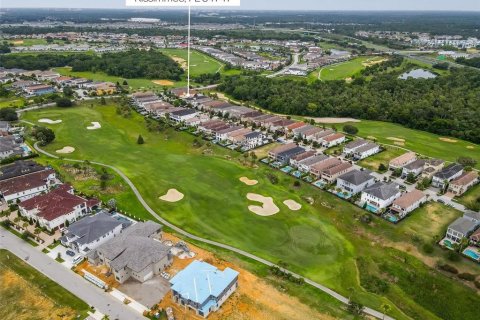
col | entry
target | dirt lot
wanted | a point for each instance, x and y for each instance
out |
(254, 299)
(22, 301)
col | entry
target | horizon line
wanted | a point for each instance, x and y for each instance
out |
(238, 9)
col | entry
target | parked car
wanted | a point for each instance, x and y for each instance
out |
(70, 253)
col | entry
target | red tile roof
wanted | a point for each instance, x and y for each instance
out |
(55, 204)
(26, 182)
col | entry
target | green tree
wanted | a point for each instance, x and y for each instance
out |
(140, 140)
(350, 129)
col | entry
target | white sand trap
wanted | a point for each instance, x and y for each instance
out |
(248, 182)
(292, 205)
(50, 121)
(173, 195)
(267, 209)
(66, 150)
(448, 140)
(334, 120)
(95, 126)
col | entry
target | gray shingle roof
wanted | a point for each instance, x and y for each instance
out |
(356, 177)
(382, 190)
(92, 228)
(417, 164)
(135, 248)
(449, 171)
(463, 225)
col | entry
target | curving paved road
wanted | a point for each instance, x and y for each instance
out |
(328, 291)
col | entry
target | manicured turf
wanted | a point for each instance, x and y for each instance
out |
(321, 241)
(342, 70)
(421, 142)
(27, 294)
(200, 63)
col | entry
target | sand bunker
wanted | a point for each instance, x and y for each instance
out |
(66, 150)
(396, 139)
(50, 121)
(334, 120)
(94, 126)
(173, 195)
(371, 138)
(448, 140)
(292, 205)
(470, 147)
(17, 42)
(164, 82)
(267, 209)
(248, 182)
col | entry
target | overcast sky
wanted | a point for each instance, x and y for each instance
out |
(459, 5)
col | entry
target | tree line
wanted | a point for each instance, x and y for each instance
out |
(130, 64)
(447, 105)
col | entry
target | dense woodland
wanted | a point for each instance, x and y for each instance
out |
(453, 23)
(448, 105)
(472, 62)
(130, 64)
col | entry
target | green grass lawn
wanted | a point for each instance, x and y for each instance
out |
(200, 63)
(32, 42)
(373, 162)
(28, 294)
(342, 70)
(12, 102)
(421, 142)
(321, 241)
(470, 197)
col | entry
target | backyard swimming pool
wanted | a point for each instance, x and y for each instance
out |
(472, 254)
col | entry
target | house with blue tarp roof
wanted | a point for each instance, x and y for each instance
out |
(202, 287)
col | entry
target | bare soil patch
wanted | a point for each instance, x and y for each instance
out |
(254, 299)
(164, 82)
(182, 62)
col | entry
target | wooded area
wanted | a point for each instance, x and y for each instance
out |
(131, 64)
(447, 105)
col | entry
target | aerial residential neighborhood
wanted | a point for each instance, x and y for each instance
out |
(239, 160)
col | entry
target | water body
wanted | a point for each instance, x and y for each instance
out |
(418, 74)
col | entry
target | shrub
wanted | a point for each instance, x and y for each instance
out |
(477, 284)
(427, 248)
(350, 129)
(452, 256)
(448, 268)
(140, 140)
(467, 276)
(64, 102)
(273, 178)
